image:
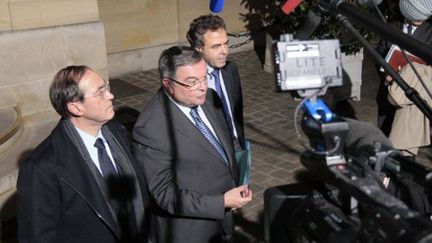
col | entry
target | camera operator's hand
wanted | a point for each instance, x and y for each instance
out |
(237, 197)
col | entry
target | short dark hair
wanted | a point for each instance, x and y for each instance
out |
(200, 26)
(174, 57)
(64, 88)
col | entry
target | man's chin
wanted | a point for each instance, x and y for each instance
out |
(201, 102)
(112, 113)
(221, 64)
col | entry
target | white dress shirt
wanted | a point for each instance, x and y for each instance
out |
(89, 142)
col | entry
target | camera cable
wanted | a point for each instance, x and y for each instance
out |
(337, 140)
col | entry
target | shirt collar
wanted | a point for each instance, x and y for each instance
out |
(89, 139)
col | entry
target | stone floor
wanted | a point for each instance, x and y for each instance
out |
(269, 125)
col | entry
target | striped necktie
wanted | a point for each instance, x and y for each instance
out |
(202, 127)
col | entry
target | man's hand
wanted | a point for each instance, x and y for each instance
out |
(237, 197)
(389, 79)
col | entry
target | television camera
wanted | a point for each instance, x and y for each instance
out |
(355, 198)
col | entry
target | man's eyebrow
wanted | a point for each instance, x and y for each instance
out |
(103, 85)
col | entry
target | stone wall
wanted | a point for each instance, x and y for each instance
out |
(33, 14)
(37, 38)
(30, 58)
(135, 31)
(138, 30)
(135, 24)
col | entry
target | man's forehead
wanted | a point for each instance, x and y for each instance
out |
(210, 35)
(90, 79)
(194, 68)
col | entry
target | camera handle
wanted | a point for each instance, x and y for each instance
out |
(323, 128)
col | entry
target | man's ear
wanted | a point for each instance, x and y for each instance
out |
(199, 48)
(75, 108)
(167, 86)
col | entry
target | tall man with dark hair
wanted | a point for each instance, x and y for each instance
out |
(207, 34)
(183, 141)
(82, 184)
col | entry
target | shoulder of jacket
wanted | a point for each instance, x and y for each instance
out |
(44, 154)
(231, 65)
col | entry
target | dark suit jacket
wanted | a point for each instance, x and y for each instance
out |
(423, 33)
(232, 83)
(186, 176)
(58, 197)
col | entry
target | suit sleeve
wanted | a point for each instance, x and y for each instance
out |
(38, 205)
(158, 160)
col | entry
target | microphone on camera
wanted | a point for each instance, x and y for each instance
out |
(290, 5)
(361, 135)
(216, 6)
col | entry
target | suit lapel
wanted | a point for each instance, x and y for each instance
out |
(183, 125)
(75, 172)
(229, 86)
(219, 124)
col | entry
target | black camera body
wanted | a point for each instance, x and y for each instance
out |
(334, 209)
(351, 199)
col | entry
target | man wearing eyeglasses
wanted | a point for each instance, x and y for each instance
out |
(183, 141)
(207, 34)
(81, 183)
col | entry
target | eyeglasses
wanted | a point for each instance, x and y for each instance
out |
(193, 84)
(101, 91)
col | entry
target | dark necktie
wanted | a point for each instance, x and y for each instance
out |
(105, 162)
(409, 29)
(202, 127)
(228, 118)
(119, 198)
(221, 95)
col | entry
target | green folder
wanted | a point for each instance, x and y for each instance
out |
(243, 159)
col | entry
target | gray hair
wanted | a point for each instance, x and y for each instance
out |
(174, 57)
